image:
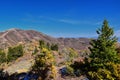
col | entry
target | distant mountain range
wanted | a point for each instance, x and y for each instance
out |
(14, 36)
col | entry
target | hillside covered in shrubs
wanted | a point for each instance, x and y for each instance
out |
(50, 61)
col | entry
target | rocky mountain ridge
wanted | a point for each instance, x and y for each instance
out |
(14, 36)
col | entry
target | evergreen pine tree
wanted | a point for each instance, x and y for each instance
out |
(103, 49)
(104, 59)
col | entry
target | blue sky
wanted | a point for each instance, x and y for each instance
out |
(60, 18)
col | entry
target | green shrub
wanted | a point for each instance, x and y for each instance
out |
(70, 70)
(2, 56)
(54, 47)
(44, 62)
(41, 44)
(35, 51)
(14, 53)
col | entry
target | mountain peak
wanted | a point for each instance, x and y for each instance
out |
(13, 36)
(14, 29)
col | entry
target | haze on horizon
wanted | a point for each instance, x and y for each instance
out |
(60, 18)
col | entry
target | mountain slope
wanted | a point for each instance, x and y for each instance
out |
(14, 36)
(30, 39)
(76, 43)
